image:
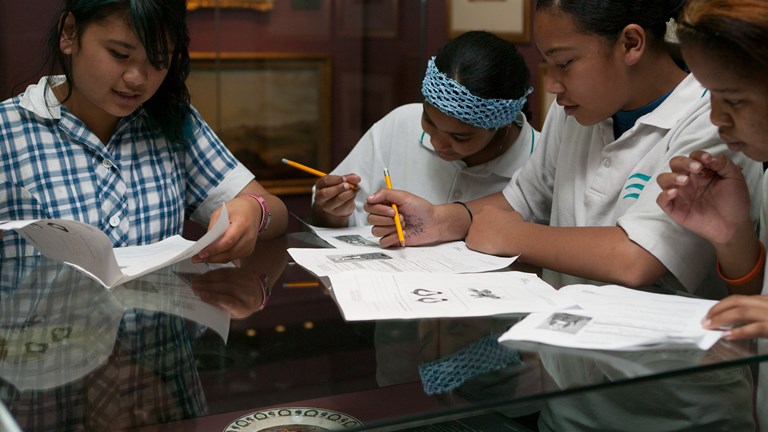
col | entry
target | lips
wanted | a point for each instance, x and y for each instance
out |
(568, 107)
(732, 143)
(126, 95)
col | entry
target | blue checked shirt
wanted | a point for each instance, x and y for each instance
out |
(136, 188)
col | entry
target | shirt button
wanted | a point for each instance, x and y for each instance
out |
(457, 195)
(114, 221)
(607, 162)
(106, 163)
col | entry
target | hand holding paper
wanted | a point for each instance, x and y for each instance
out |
(88, 249)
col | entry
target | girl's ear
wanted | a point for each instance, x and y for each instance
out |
(634, 41)
(68, 35)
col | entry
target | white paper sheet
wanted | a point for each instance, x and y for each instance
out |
(617, 318)
(452, 257)
(365, 295)
(88, 249)
(349, 237)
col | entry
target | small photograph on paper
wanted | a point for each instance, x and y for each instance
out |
(565, 322)
(375, 256)
(355, 240)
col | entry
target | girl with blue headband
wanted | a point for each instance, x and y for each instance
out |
(114, 141)
(465, 141)
(583, 207)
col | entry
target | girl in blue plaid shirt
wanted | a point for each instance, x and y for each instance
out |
(114, 141)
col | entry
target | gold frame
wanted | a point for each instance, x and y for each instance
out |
(257, 5)
(494, 16)
(265, 107)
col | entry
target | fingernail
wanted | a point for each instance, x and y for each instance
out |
(706, 322)
(681, 179)
(346, 186)
(727, 335)
(695, 166)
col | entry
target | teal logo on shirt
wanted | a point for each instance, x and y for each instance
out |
(636, 185)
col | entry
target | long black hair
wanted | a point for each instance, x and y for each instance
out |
(155, 22)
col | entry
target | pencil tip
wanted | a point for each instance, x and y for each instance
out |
(285, 160)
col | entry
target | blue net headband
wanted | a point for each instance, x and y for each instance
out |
(482, 356)
(455, 100)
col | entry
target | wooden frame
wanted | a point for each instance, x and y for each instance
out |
(366, 18)
(257, 5)
(265, 107)
(509, 19)
(543, 98)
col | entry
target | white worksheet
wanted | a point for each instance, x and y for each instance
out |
(453, 257)
(88, 249)
(617, 318)
(366, 295)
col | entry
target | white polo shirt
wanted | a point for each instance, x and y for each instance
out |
(582, 176)
(399, 143)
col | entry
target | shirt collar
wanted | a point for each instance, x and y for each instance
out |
(40, 100)
(669, 112)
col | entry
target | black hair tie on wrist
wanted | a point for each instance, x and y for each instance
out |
(471, 218)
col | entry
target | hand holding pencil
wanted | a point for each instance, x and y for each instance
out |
(398, 224)
(313, 171)
(334, 196)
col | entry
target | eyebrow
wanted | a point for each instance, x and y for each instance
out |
(556, 50)
(122, 43)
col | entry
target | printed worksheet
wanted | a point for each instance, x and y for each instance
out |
(89, 250)
(611, 317)
(366, 295)
(453, 257)
(348, 237)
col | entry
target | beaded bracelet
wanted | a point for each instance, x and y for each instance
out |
(266, 215)
(471, 218)
(749, 276)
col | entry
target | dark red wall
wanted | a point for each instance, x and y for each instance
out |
(370, 76)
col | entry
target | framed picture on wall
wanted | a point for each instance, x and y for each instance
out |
(266, 107)
(366, 18)
(258, 5)
(544, 99)
(509, 19)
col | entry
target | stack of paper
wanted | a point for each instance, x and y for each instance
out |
(371, 283)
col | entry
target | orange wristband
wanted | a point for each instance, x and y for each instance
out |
(749, 276)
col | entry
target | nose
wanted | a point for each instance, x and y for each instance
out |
(719, 115)
(135, 76)
(551, 82)
(438, 143)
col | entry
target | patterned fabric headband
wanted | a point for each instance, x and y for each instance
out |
(455, 100)
(482, 356)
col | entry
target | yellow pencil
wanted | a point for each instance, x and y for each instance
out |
(310, 170)
(304, 168)
(398, 225)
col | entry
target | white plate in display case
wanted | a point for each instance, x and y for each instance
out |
(293, 419)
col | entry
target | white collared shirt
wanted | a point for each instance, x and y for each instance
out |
(398, 142)
(581, 176)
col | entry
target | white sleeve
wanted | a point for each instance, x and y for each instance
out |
(529, 192)
(688, 257)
